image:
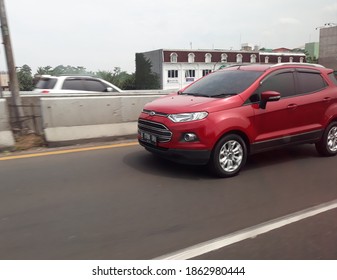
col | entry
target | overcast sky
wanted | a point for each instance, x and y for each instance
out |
(103, 34)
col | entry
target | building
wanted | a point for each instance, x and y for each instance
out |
(312, 50)
(178, 68)
(4, 80)
(328, 46)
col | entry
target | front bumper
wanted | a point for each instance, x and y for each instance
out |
(192, 157)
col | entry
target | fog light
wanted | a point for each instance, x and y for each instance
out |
(190, 137)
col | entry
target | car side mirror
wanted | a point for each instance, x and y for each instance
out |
(109, 89)
(269, 96)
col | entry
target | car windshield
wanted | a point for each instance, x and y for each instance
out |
(223, 84)
(45, 83)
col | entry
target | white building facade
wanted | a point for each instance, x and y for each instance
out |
(178, 68)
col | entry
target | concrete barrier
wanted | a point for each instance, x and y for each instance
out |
(6, 135)
(69, 120)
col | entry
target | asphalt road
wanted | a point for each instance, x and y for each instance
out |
(124, 203)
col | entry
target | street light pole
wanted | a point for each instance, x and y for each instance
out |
(14, 84)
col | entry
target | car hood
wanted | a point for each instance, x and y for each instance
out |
(174, 104)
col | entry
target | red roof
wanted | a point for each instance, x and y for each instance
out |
(200, 55)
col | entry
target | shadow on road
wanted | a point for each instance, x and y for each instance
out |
(281, 156)
(146, 162)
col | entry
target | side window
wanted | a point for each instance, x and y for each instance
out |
(333, 78)
(310, 82)
(46, 83)
(73, 84)
(93, 85)
(283, 83)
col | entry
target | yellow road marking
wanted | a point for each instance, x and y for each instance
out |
(42, 154)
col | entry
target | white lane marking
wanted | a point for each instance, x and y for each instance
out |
(226, 240)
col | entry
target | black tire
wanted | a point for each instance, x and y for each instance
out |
(228, 156)
(327, 146)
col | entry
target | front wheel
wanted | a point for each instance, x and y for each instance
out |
(327, 146)
(228, 156)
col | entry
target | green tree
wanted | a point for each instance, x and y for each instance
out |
(47, 70)
(68, 70)
(127, 81)
(106, 75)
(145, 78)
(119, 78)
(25, 78)
(309, 58)
(62, 70)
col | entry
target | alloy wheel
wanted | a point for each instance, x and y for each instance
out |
(332, 139)
(231, 155)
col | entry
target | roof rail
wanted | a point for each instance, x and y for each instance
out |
(298, 64)
(74, 75)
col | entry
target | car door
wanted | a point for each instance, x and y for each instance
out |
(277, 120)
(312, 100)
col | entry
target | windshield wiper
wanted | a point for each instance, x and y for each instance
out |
(195, 94)
(224, 95)
(221, 95)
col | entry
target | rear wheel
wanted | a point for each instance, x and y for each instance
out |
(228, 156)
(327, 146)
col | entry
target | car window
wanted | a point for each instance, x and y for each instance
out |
(333, 78)
(223, 83)
(94, 85)
(310, 82)
(283, 83)
(73, 84)
(46, 83)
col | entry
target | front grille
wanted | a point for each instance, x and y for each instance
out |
(162, 133)
(153, 113)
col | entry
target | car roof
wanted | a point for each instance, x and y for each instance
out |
(68, 76)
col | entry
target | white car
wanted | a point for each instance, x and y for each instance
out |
(73, 84)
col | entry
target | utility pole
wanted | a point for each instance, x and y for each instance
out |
(13, 79)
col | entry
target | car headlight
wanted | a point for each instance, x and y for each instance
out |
(188, 117)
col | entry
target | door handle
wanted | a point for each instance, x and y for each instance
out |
(326, 99)
(292, 106)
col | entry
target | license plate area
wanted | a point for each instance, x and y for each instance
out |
(148, 138)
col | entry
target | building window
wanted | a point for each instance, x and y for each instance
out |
(239, 58)
(174, 58)
(206, 72)
(208, 58)
(253, 58)
(172, 74)
(266, 59)
(190, 75)
(301, 59)
(224, 57)
(279, 59)
(291, 59)
(191, 57)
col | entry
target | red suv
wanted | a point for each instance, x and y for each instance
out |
(240, 110)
